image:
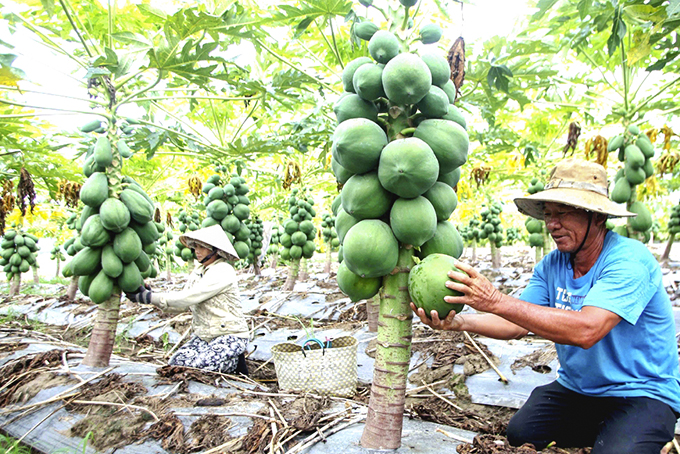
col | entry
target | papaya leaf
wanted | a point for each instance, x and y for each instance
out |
(49, 6)
(618, 32)
(673, 9)
(497, 77)
(543, 6)
(583, 8)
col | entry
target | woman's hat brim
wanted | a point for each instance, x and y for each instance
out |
(577, 198)
(212, 236)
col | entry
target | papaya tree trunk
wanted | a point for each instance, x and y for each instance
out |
(495, 256)
(293, 270)
(275, 260)
(168, 267)
(388, 390)
(329, 259)
(373, 312)
(304, 275)
(669, 245)
(36, 276)
(58, 268)
(72, 289)
(256, 268)
(539, 253)
(547, 242)
(15, 285)
(474, 251)
(104, 332)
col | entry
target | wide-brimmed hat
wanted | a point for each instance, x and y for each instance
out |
(577, 183)
(211, 237)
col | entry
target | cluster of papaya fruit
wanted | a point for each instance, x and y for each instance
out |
(635, 150)
(256, 227)
(187, 221)
(471, 231)
(17, 252)
(227, 205)
(56, 253)
(100, 155)
(330, 236)
(535, 227)
(674, 221)
(297, 239)
(398, 171)
(490, 227)
(512, 235)
(275, 240)
(535, 185)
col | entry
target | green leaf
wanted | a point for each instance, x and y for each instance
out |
(618, 32)
(49, 6)
(497, 77)
(94, 72)
(543, 6)
(673, 9)
(584, 8)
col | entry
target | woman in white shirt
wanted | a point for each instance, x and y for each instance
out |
(219, 330)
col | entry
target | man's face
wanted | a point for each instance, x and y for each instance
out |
(567, 225)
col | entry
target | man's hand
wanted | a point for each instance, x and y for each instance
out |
(141, 295)
(478, 292)
(450, 323)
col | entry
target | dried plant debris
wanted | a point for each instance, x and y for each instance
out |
(538, 361)
(17, 373)
(173, 374)
(25, 191)
(493, 444)
(456, 58)
(475, 418)
(108, 431)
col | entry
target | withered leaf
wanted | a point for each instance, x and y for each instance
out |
(456, 59)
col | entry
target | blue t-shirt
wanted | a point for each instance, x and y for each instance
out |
(639, 356)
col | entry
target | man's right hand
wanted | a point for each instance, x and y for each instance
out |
(450, 323)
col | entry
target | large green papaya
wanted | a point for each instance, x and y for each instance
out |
(446, 240)
(370, 249)
(130, 279)
(622, 191)
(358, 143)
(365, 30)
(85, 261)
(427, 285)
(447, 139)
(406, 79)
(402, 216)
(643, 221)
(114, 215)
(363, 197)
(95, 190)
(103, 155)
(408, 167)
(127, 245)
(443, 198)
(148, 232)
(140, 209)
(357, 287)
(101, 288)
(93, 233)
(111, 263)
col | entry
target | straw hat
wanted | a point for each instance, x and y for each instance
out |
(211, 237)
(577, 183)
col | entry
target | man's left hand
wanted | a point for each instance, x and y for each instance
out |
(478, 292)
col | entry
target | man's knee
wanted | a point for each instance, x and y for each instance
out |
(519, 433)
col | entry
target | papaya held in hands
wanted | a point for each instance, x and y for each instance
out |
(427, 285)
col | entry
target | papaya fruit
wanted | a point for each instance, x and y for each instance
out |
(101, 288)
(439, 69)
(103, 156)
(430, 33)
(645, 145)
(643, 221)
(343, 222)
(95, 190)
(615, 143)
(123, 149)
(114, 214)
(447, 139)
(427, 285)
(357, 287)
(536, 240)
(451, 178)
(91, 126)
(407, 167)
(435, 104)
(363, 196)
(93, 233)
(140, 208)
(354, 106)
(402, 216)
(446, 240)
(111, 264)
(383, 46)
(148, 233)
(127, 245)
(370, 249)
(84, 283)
(406, 79)
(85, 261)
(634, 175)
(622, 191)
(130, 279)
(357, 144)
(365, 30)
(454, 114)
(367, 82)
(634, 157)
(443, 199)
(348, 72)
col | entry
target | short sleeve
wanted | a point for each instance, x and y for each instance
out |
(624, 287)
(536, 292)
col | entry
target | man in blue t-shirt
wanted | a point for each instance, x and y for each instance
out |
(600, 298)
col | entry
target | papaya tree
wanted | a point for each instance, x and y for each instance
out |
(330, 238)
(673, 229)
(297, 241)
(399, 139)
(17, 256)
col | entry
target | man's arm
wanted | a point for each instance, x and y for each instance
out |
(488, 325)
(582, 329)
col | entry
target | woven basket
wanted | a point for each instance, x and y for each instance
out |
(326, 371)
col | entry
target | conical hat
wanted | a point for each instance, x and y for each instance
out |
(212, 236)
(577, 183)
